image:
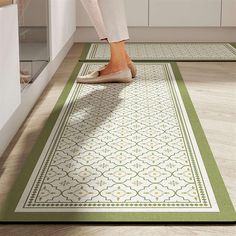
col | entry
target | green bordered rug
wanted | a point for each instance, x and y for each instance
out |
(165, 51)
(121, 153)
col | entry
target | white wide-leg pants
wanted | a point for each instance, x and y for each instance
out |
(108, 18)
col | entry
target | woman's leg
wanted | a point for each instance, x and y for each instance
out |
(114, 18)
(119, 59)
(93, 10)
(109, 20)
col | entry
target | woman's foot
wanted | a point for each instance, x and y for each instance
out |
(133, 69)
(121, 76)
(130, 64)
(113, 68)
(119, 69)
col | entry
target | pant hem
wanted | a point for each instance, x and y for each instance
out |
(117, 40)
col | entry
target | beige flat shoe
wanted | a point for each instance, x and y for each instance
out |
(122, 76)
(133, 69)
(131, 66)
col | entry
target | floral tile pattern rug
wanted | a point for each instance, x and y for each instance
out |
(121, 152)
(166, 51)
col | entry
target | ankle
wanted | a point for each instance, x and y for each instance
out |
(118, 65)
(128, 59)
(113, 68)
(117, 68)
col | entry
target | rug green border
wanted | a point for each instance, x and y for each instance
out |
(227, 213)
(233, 45)
(88, 45)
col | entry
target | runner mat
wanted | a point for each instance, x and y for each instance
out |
(120, 152)
(165, 51)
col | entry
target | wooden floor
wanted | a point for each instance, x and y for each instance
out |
(212, 87)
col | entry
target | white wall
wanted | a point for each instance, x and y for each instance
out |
(62, 24)
(10, 96)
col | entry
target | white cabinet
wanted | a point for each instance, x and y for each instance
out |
(136, 12)
(172, 13)
(10, 95)
(185, 12)
(62, 24)
(228, 13)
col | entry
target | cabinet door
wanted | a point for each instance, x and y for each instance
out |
(229, 13)
(62, 24)
(136, 13)
(185, 12)
(10, 91)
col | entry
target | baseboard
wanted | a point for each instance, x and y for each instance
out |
(30, 96)
(166, 34)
